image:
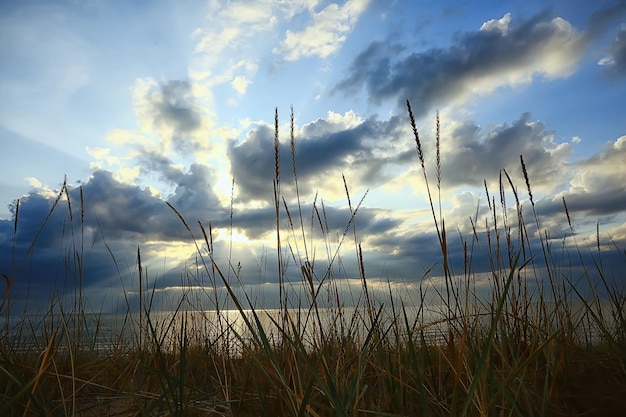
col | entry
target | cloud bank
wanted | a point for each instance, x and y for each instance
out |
(501, 53)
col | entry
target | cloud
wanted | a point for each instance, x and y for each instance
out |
(125, 216)
(106, 225)
(170, 110)
(470, 155)
(615, 61)
(502, 53)
(133, 212)
(381, 155)
(597, 187)
(325, 35)
(125, 210)
(228, 44)
(173, 113)
(240, 84)
(232, 24)
(114, 219)
(325, 149)
(497, 25)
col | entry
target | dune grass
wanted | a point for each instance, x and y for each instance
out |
(522, 350)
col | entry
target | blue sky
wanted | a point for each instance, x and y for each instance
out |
(144, 103)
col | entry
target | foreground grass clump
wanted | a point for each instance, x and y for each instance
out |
(520, 350)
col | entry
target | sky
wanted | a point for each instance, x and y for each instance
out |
(144, 104)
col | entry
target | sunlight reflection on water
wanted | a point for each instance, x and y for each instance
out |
(233, 331)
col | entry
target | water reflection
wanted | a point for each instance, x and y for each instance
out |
(232, 331)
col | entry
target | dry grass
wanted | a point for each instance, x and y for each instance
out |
(540, 351)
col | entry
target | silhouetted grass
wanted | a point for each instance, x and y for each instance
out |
(521, 350)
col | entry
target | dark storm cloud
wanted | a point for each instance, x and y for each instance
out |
(324, 150)
(114, 220)
(436, 76)
(373, 65)
(32, 211)
(471, 155)
(40, 258)
(252, 163)
(121, 208)
(108, 204)
(412, 252)
(321, 148)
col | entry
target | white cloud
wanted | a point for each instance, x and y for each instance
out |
(333, 123)
(231, 25)
(103, 158)
(231, 41)
(240, 84)
(213, 43)
(130, 176)
(35, 183)
(606, 61)
(555, 57)
(501, 25)
(327, 33)
(42, 189)
(120, 137)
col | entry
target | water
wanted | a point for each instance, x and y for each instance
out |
(227, 330)
(232, 330)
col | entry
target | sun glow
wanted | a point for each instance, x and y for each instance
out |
(234, 235)
(169, 252)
